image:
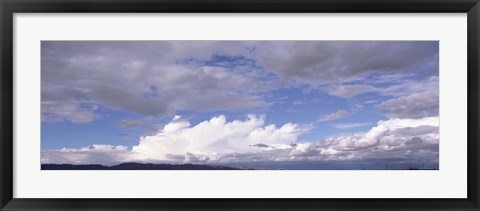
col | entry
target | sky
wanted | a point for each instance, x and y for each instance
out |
(285, 104)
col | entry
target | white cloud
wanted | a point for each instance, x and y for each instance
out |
(217, 136)
(251, 140)
(336, 115)
(384, 134)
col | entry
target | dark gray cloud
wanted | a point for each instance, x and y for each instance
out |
(158, 78)
(350, 68)
(130, 123)
(414, 140)
(325, 62)
(261, 145)
(149, 128)
(143, 77)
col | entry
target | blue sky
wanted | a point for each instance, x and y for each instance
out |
(325, 101)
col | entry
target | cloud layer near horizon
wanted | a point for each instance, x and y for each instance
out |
(251, 140)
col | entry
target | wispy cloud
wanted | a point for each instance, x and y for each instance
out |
(339, 114)
(351, 125)
(348, 91)
(299, 102)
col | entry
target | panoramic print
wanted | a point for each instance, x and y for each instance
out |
(239, 105)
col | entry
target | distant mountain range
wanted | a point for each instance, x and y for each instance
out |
(138, 166)
(234, 166)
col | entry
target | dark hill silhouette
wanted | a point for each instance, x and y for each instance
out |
(137, 166)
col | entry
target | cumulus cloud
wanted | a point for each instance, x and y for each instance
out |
(385, 134)
(212, 140)
(217, 136)
(251, 140)
(384, 144)
(339, 114)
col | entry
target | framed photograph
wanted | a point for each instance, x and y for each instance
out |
(229, 105)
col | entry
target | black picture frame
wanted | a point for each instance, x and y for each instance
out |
(9, 7)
